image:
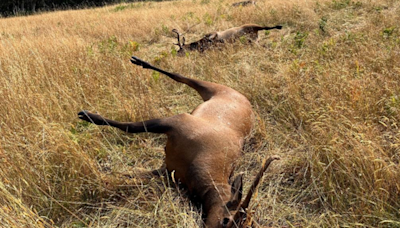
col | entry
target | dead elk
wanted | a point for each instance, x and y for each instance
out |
(203, 146)
(244, 3)
(248, 31)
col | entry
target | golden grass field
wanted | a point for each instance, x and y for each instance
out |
(325, 91)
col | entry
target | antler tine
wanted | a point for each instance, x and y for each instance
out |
(241, 212)
(246, 202)
(178, 37)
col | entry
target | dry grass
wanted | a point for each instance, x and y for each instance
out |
(325, 89)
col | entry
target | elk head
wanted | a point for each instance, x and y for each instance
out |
(234, 211)
(200, 45)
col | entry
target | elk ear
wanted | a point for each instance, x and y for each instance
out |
(236, 192)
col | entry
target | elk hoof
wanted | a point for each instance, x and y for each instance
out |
(135, 60)
(91, 117)
(83, 115)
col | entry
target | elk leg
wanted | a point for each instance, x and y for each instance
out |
(205, 89)
(154, 125)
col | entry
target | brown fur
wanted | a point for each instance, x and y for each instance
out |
(201, 146)
(248, 30)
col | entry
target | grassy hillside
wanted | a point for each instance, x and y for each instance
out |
(325, 90)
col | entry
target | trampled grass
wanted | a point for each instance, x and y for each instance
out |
(325, 90)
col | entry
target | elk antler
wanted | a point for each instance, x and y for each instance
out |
(178, 37)
(241, 212)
